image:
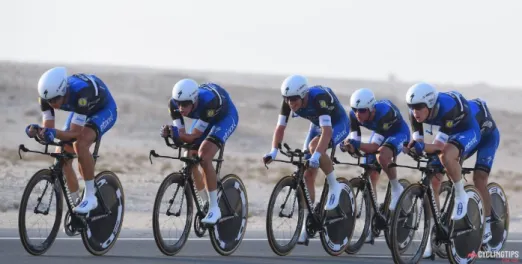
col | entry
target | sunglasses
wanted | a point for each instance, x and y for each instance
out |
(292, 98)
(183, 103)
(54, 100)
(417, 106)
(360, 110)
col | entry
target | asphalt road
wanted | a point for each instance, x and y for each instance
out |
(139, 247)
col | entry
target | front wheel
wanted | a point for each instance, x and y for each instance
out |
(101, 234)
(403, 234)
(48, 194)
(413, 204)
(177, 197)
(228, 233)
(338, 223)
(363, 211)
(279, 209)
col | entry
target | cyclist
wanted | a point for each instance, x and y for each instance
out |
(329, 126)
(215, 119)
(389, 132)
(486, 149)
(93, 113)
(458, 136)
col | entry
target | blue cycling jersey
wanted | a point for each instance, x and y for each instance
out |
(213, 104)
(321, 101)
(480, 111)
(387, 120)
(86, 95)
(451, 113)
(457, 124)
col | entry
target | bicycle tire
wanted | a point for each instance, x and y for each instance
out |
(89, 236)
(349, 209)
(163, 248)
(497, 243)
(359, 184)
(44, 174)
(474, 197)
(405, 183)
(413, 190)
(216, 239)
(286, 249)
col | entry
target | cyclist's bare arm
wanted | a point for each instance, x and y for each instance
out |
(279, 132)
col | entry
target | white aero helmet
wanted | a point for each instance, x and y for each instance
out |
(422, 93)
(362, 98)
(185, 90)
(53, 83)
(294, 85)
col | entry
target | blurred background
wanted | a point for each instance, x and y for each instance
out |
(141, 48)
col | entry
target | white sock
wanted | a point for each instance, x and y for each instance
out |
(488, 223)
(203, 194)
(332, 180)
(213, 198)
(89, 188)
(459, 188)
(395, 185)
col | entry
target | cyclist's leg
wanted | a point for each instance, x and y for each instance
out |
(372, 159)
(485, 157)
(95, 127)
(68, 171)
(197, 171)
(436, 182)
(459, 145)
(340, 131)
(311, 173)
(216, 139)
(389, 149)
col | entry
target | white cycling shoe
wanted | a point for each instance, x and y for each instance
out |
(88, 204)
(334, 193)
(395, 195)
(213, 215)
(460, 209)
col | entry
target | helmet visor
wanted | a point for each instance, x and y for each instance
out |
(418, 106)
(360, 110)
(292, 98)
(186, 103)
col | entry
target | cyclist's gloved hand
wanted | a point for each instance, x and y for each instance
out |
(418, 147)
(164, 131)
(314, 160)
(31, 130)
(270, 156)
(49, 134)
(356, 144)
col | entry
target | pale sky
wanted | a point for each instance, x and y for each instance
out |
(461, 41)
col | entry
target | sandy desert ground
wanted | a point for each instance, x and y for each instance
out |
(142, 96)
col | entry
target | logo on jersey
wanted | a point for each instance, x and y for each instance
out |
(449, 123)
(82, 102)
(211, 112)
(323, 104)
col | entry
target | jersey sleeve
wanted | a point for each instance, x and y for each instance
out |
(47, 110)
(211, 109)
(324, 104)
(387, 120)
(177, 119)
(417, 129)
(355, 128)
(284, 114)
(87, 100)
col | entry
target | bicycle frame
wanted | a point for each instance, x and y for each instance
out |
(186, 171)
(57, 173)
(444, 232)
